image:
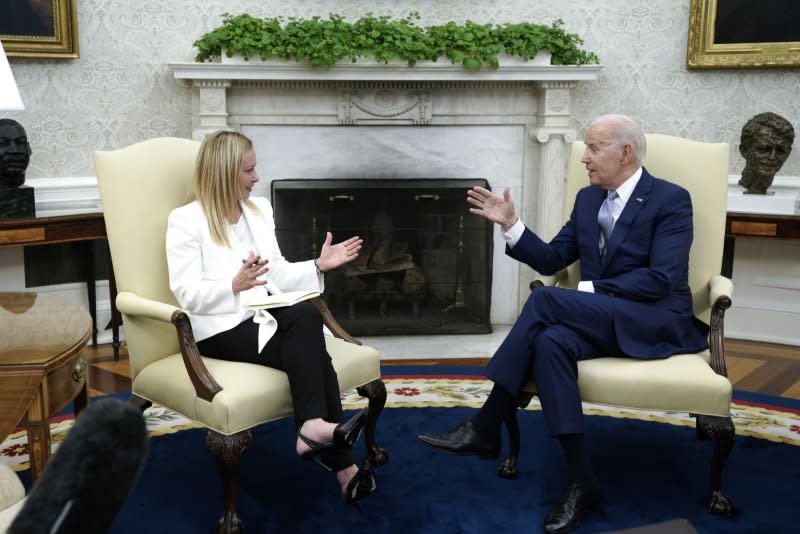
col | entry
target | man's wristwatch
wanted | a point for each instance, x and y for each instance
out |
(316, 264)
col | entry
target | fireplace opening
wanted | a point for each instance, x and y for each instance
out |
(426, 263)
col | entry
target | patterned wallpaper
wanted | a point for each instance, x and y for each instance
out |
(121, 91)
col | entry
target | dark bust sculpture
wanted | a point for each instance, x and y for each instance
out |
(765, 143)
(16, 199)
(15, 153)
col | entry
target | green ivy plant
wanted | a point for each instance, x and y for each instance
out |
(323, 42)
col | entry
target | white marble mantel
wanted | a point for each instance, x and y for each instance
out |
(423, 71)
(522, 105)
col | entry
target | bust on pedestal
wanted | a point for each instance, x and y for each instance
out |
(765, 143)
(16, 199)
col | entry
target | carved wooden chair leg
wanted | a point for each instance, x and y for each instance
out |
(227, 450)
(702, 434)
(140, 403)
(375, 392)
(508, 469)
(722, 430)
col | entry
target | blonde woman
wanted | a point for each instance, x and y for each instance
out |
(222, 254)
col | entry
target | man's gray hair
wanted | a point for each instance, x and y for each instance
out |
(626, 131)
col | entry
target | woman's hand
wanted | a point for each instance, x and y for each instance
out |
(493, 207)
(247, 277)
(332, 256)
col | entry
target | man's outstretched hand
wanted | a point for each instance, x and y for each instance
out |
(496, 208)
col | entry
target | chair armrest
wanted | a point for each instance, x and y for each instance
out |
(719, 286)
(132, 304)
(720, 293)
(331, 322)
(552, 280)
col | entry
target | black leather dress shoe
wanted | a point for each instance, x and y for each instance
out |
(463, 440)
(567, 514)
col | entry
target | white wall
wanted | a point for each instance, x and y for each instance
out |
(120, 90)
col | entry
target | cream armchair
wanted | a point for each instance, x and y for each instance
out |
(139, 186)
(691, 383)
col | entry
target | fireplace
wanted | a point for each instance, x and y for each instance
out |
(426, 263)
(512, 126)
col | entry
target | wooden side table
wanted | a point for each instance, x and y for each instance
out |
(43, 366)
(82, 227)
(755, 225)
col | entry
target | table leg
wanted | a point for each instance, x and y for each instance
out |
(727, 257)
(90, 289)
(37, 426)
(116, 319)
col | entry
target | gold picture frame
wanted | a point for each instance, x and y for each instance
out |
(742, 34)
(39, 28)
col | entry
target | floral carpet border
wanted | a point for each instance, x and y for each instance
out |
(773, 423)
(781, 425)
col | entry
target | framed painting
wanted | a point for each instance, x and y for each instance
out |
(743, 34)
(39, 28)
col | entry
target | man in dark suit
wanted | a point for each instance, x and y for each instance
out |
(632, 233)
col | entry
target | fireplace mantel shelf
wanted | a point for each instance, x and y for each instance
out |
(422, 72)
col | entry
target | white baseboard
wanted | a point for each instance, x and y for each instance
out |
(764, 325)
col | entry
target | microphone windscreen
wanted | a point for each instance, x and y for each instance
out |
(85, 483)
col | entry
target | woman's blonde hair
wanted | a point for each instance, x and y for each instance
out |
(216, 180)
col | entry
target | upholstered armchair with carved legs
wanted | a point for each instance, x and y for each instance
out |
(139, 186)
(691, 383)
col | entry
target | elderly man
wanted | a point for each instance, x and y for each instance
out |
(765, 143)
(632, 233)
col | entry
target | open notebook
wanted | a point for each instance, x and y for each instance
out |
(275, 298)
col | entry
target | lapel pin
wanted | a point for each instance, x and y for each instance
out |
(638, 199)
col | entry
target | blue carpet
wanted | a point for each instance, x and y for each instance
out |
(650, 472)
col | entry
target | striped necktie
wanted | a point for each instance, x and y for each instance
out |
(605, 218)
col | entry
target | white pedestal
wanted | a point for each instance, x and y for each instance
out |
(784, 201)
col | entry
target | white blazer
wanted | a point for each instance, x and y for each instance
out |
(201, 272)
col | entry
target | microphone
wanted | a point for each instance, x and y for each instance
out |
(85, 483)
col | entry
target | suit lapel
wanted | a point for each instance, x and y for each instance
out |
(626, 219)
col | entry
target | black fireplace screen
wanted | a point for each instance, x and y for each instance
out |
(426, 263)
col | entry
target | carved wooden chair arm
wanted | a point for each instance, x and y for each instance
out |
(720, 293)
(133, 305)
(542, 280)
(330, 321)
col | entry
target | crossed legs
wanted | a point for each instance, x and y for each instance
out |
(297, 348)
(556, 329)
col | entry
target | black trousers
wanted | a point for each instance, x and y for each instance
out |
(298, 349)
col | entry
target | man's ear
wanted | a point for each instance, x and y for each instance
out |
(742, 151)
(627, 154)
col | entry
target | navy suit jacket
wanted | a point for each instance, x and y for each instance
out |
(645, 266)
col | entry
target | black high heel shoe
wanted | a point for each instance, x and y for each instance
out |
(362, 484)
(345, 435)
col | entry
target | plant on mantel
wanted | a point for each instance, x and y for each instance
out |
(323, 42)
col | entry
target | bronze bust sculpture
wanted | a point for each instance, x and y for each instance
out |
(15, 153)
(766, 142)
(16, 199)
